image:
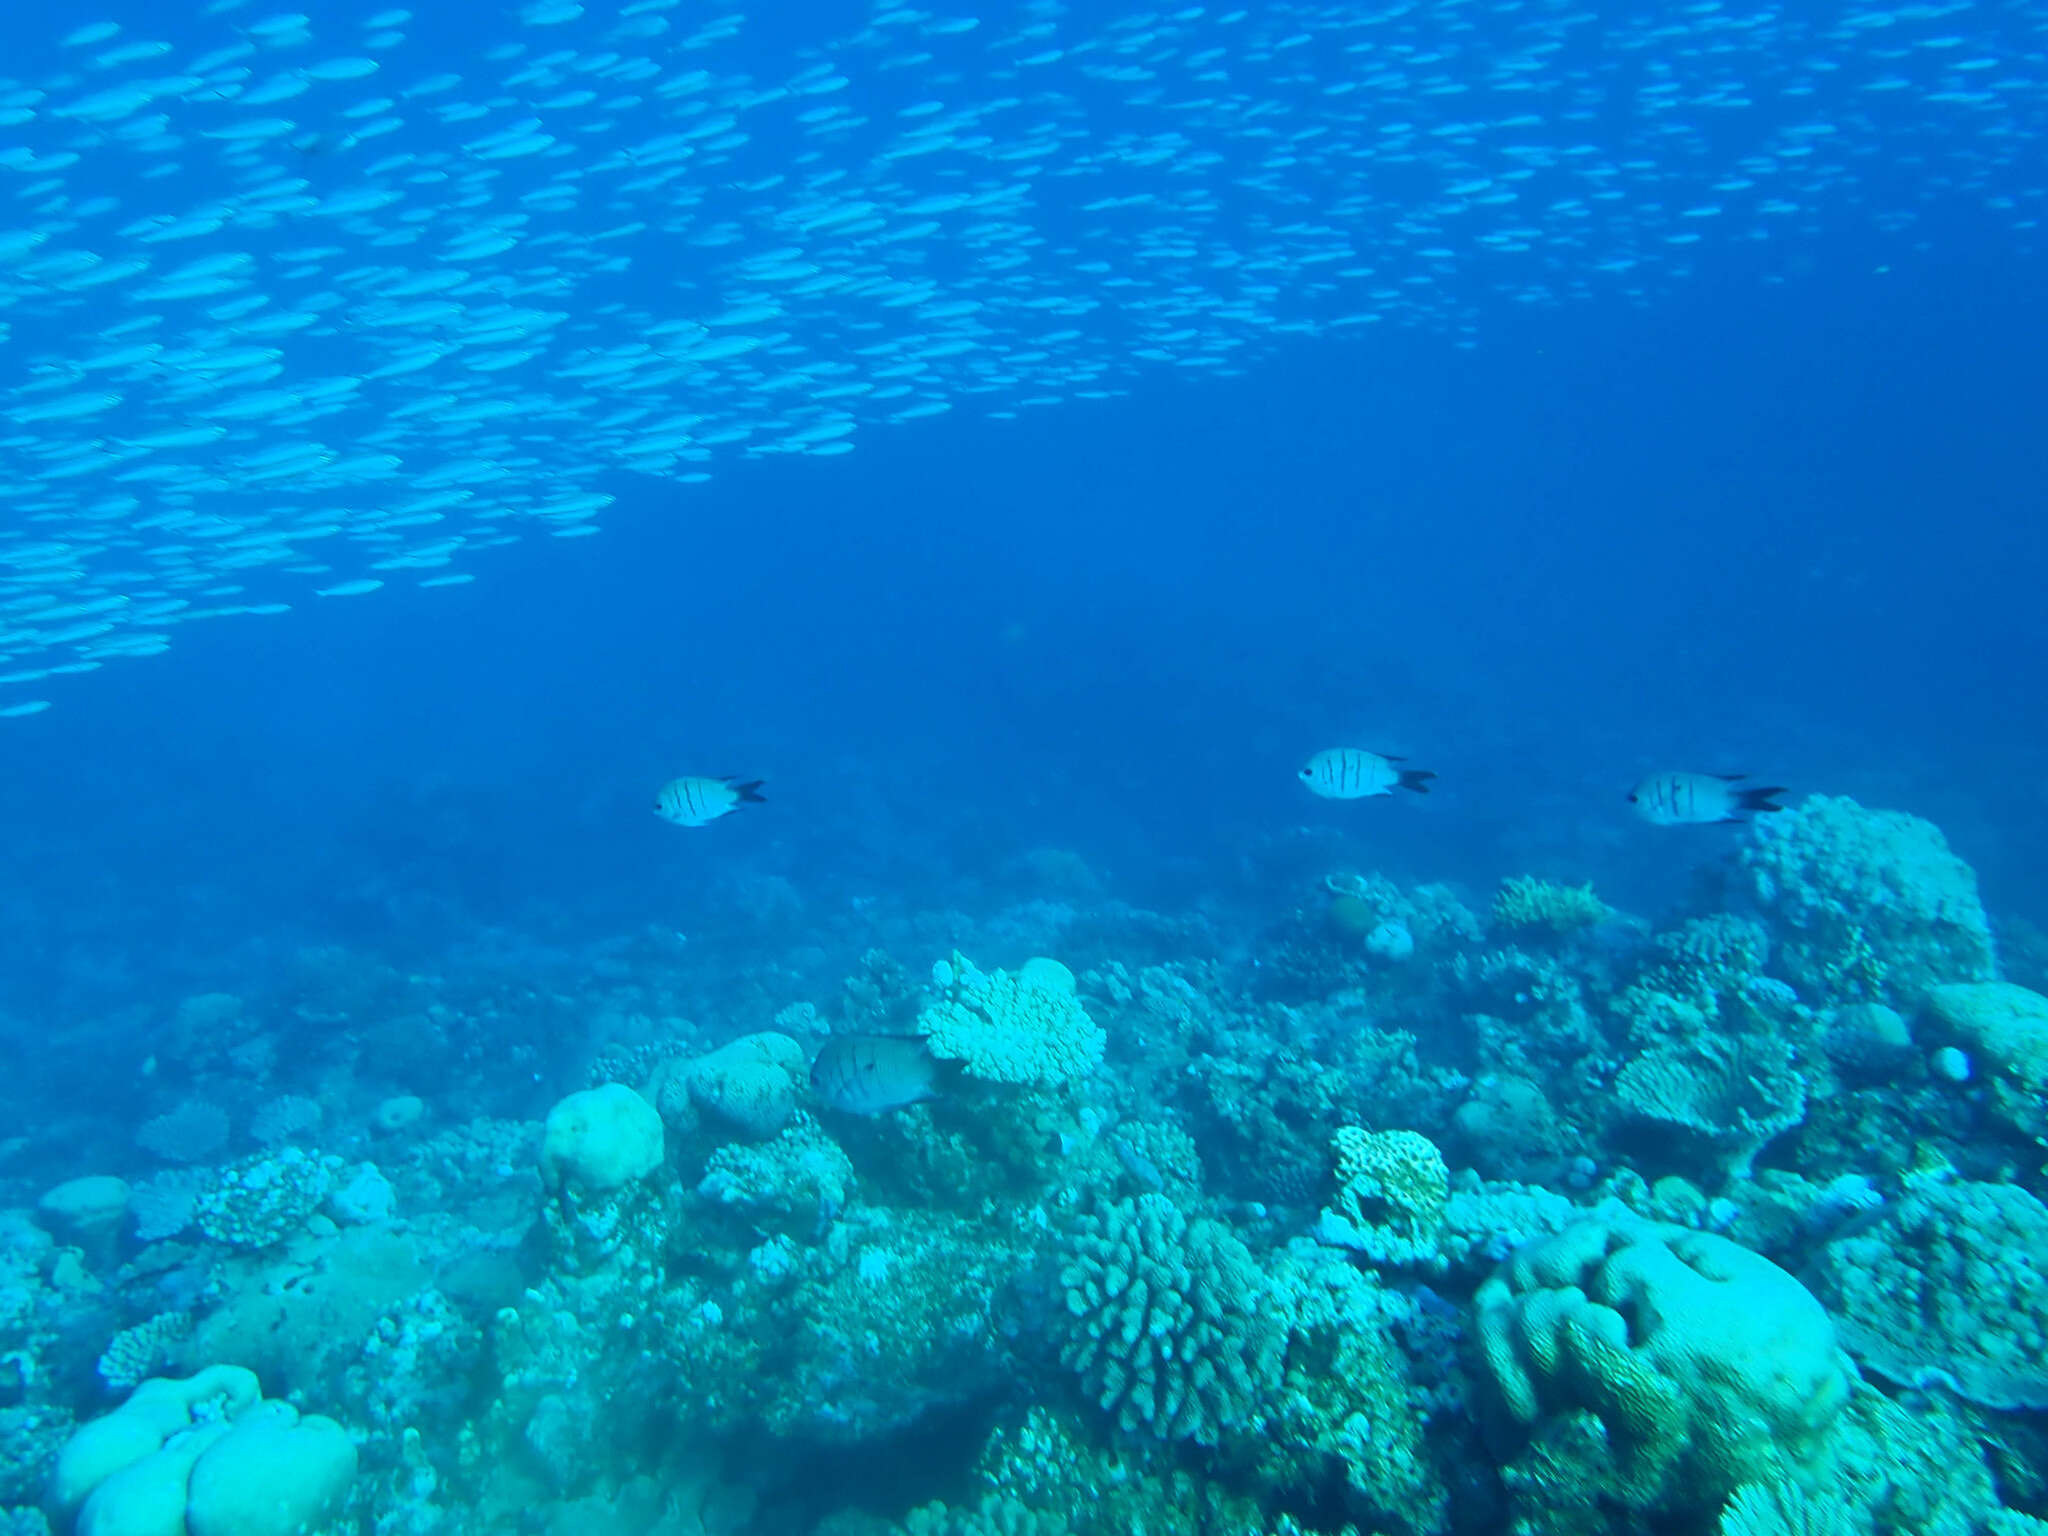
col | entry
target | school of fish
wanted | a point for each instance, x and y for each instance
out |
(291, 310)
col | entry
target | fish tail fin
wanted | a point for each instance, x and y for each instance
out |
(1760, 800)
(750, 792)
(1417, 779)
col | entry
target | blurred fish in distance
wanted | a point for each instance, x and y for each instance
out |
(1695, 799)
(696, 801)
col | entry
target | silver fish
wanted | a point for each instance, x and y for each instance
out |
(1352, 773)
(1693, 799)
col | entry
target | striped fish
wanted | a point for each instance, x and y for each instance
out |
(1352, 773)
(1693, 799)
(694, 802)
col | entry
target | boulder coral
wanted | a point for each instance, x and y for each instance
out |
(2003, 1029)
(749, 1084)
(1866, 906)
(601, 1140)
(203, 1456)
(1655, 1370)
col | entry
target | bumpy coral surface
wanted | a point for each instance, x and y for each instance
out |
(1529, 903)
(1949, 1289)
(1866, 905)
(1391, 1190)
(1026, 1028)
(2004, 1030)
(1168, 1320)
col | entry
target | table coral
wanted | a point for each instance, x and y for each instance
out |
(1732, 1094)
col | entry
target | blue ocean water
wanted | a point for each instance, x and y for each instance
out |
(1530, 405)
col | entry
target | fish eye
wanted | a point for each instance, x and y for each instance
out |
(1631, 797)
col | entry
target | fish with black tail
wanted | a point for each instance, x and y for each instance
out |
(1352, 773)
(1696, 799)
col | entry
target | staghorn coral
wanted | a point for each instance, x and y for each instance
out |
(1168, 1321)
(1866, 906)
(1027, 1028)
(1391, 1190)
(1657, 1369)
(1946, 1289)
(1527, 903)
(191, 1133)
(1733, 1095)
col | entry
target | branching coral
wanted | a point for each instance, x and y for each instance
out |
(1025, 1028)
(1168, 1321)
(1526, 902)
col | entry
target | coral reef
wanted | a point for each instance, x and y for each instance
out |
(1379, 1219)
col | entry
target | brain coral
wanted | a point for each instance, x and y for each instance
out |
(1168, 1321)
(1658, 1367)
(1948, 1289)
(1026, 1028)
(1866, 906)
